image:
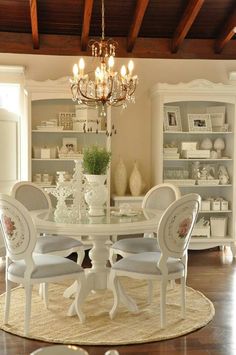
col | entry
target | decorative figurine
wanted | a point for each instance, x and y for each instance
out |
(223, 175)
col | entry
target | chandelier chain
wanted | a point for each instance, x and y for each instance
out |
(103, 20)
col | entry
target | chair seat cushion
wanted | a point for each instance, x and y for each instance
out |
(136, 245)
(46, 266)
(54, 243)
(146, 263)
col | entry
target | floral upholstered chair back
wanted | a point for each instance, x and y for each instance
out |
(161, 196)
(175, 227)
(17, 228)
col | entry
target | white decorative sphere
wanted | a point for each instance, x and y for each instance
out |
(219, 144)
(206, 144)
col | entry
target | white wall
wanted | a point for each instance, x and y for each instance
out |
(133, 124)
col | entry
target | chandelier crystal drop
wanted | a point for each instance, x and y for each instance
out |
(105, 87)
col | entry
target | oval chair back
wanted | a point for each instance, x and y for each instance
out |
(161, 196)
(17, 227)
(176, 225)
(31, 196)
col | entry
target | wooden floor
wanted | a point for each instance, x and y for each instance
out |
(213, 272)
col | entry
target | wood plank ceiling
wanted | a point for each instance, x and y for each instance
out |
(198, 29)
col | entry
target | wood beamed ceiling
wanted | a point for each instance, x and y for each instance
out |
(187, 29)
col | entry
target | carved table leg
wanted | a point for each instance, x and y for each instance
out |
(96, 276)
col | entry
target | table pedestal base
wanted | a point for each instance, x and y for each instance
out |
(96, 277)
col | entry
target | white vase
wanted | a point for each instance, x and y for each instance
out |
(135, 181)
(120, 178)
(219, 145)
(96, 194)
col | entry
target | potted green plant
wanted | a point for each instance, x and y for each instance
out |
(95, 164)
(96, 160)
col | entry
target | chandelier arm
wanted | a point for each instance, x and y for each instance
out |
(88, 99)
(81, 92)
(121, 98)
(133, 90)
(111, 79)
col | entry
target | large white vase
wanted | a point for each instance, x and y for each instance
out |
(135, 181)
(96, 194)
(120, 178)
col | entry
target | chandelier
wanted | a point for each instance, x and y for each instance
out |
(105, 87)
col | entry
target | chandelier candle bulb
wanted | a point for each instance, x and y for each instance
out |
(75, 71)
(131, 67)
(81, 66)
(97, 74)
(111, 62)
(123, 71)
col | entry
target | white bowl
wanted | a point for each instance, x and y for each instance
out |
(60, 350)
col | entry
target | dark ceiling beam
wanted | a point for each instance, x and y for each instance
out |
(88, 7)
(144, 47)
(136, 24)
(189, 15)
(227, 33)
(34, 23)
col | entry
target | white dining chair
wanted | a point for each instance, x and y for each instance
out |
(33, 198)
(159, 197)
(27, 268)
(170, 263)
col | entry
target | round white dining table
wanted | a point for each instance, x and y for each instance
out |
(99, 229)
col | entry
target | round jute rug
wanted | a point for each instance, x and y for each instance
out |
(53, 325)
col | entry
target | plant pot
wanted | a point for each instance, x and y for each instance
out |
(96, 194)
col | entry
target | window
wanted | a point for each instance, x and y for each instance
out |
(10, 97)
(13, 127)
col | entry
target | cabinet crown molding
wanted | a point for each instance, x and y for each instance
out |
(49, 89)
(198, 85)
(32, 85)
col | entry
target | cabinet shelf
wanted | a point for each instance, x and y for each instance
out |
(211, 239)
(197, 132)
(198, 159)
(214, 212)
(204, 186)
(66, 131)
(56, 159)
(190, 183)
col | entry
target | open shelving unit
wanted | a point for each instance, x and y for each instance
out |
(194, 98)
(46, 100)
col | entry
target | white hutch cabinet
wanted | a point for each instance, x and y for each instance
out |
(194, 100)
(46, 100)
